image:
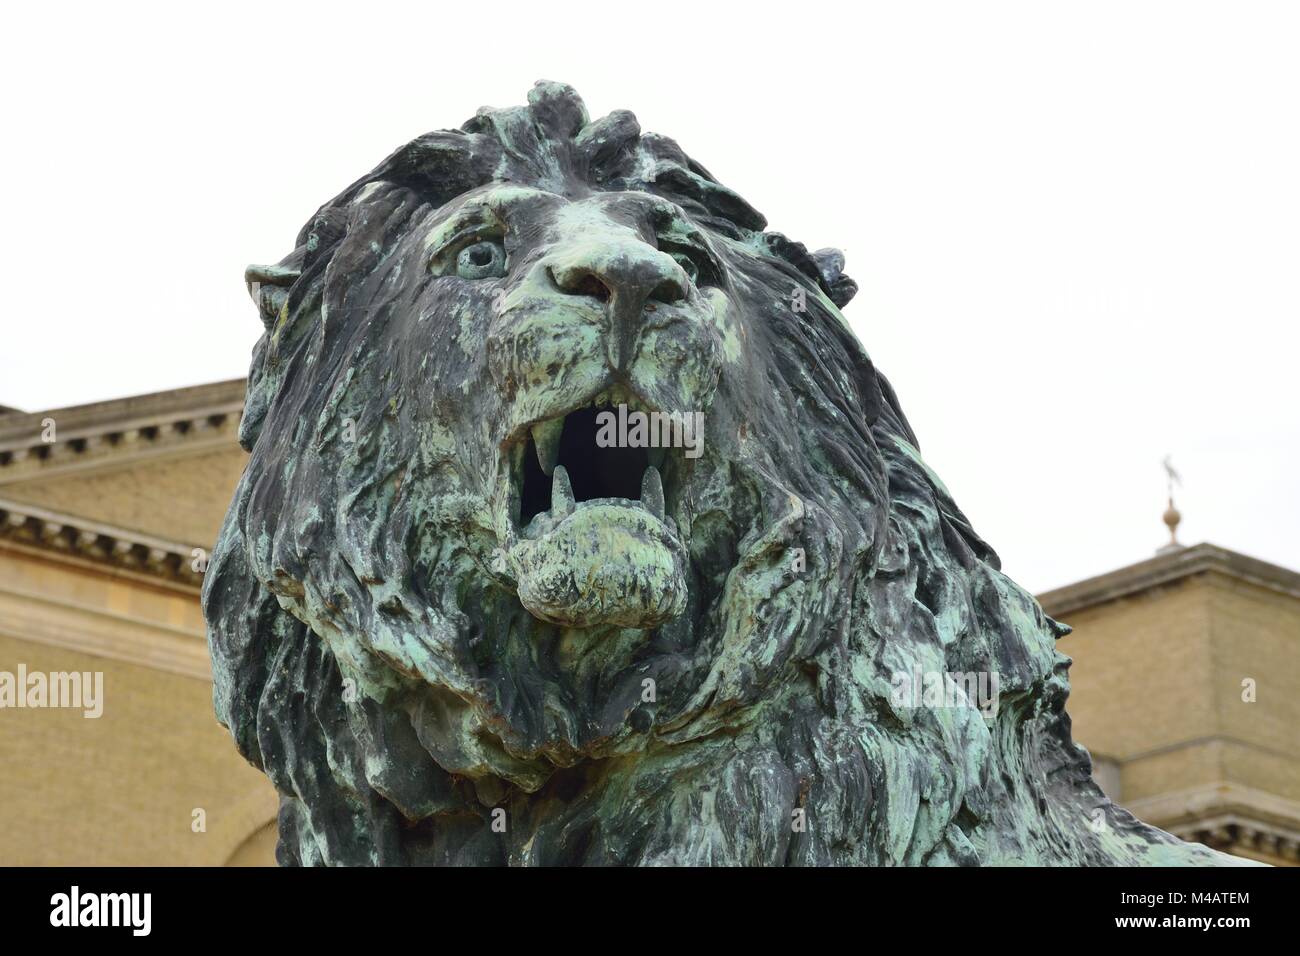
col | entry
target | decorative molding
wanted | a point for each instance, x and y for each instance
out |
(1242, 837)
(69, 537)
(1228, 817)
(184, 421)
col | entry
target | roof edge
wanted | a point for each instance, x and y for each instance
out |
(1166, 569)
(25, 429)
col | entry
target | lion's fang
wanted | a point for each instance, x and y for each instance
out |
(562, 492)
(652, 492)
(546, 438)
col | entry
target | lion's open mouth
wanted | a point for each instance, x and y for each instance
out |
(596, 544)
(564, 464)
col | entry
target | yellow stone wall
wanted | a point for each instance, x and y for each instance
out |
(1140, 682)
(123, 788)
(1257, 636)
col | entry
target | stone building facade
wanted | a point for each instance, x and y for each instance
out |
(105, 512)
(106, 515)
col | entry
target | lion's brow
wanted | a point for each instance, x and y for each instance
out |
(655, 212)
(504, 197)
(495, 200)
(489, 208)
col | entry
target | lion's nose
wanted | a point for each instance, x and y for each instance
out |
(630, 277)
(627, 278)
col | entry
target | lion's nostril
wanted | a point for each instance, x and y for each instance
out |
(632, 279)
(668, 292)
(589, 285)
(580, 282)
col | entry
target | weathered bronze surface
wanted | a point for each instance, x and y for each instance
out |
(453, 627)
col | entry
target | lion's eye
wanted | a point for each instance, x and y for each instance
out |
(687, 263)
(485, 259)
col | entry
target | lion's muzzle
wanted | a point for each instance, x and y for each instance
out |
(596, 546)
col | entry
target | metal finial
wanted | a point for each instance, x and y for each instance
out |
(1172, 516)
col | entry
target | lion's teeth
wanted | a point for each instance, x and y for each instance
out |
(546, 438)
(652, 492)
(561, 492)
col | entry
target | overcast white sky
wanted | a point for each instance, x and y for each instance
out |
(1076, 226)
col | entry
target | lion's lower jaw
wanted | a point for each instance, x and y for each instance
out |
(603, 565)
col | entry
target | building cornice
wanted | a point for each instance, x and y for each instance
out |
(1167, 569)
(1243, 836)
(65, 537)
(183, 421)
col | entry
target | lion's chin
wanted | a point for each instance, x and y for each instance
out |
(606, 563)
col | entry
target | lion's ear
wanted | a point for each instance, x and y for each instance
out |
(830, 263)
(268, 286)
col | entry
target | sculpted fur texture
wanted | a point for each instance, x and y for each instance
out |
(454, 627)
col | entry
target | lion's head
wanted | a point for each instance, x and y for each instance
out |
(462, 611)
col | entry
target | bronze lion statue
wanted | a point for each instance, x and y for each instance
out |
(578, 528)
